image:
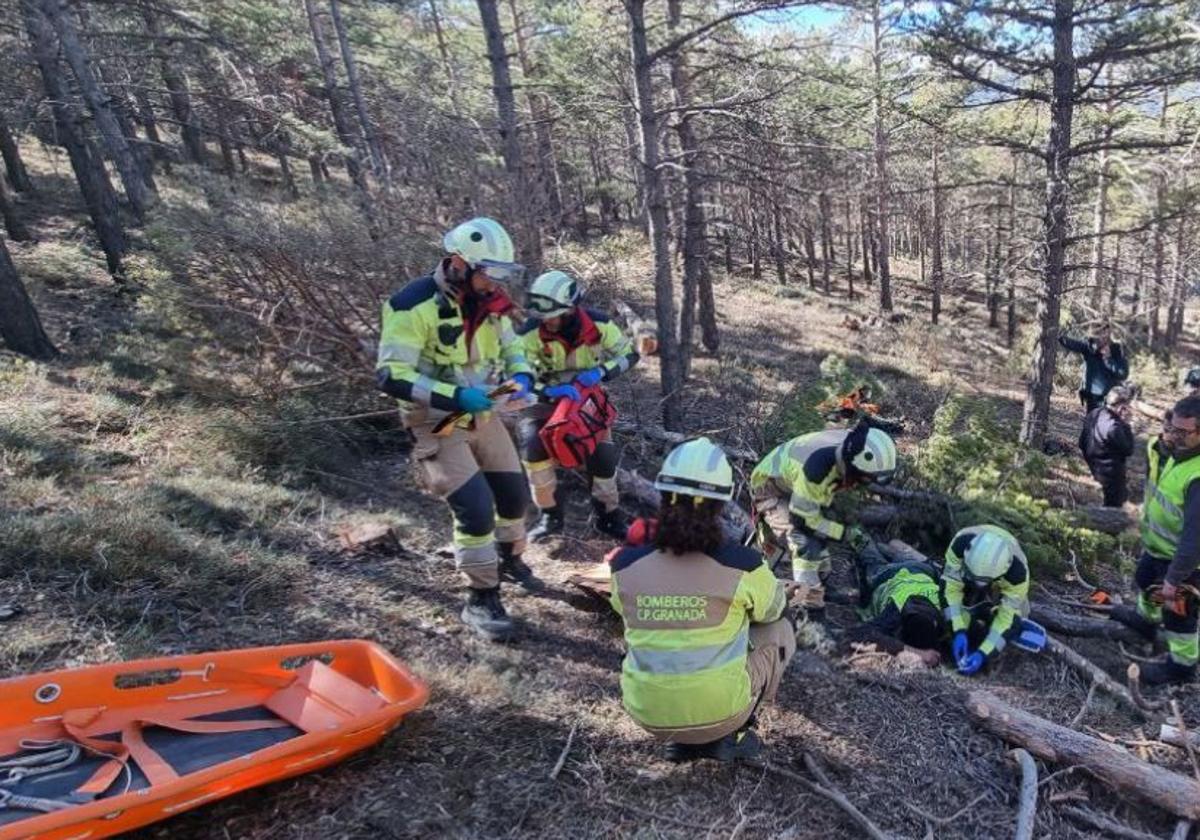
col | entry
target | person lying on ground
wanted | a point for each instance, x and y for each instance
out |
(900, 604)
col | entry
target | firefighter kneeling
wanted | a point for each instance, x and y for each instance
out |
(704, 627)
(572, 350)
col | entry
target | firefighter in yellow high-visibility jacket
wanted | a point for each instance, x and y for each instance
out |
(446, 341)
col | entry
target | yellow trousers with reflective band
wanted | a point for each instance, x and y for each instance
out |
(810, 557)
(1182, 632)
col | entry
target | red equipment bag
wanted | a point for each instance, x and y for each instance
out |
(576, 428)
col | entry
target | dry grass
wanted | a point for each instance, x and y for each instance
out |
(152, 500)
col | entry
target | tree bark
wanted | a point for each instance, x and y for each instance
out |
(510, 138)
(540, 109)
(378, 162)
(1108, 763)
(12, 222)
(828, 252)
(1055, 225)
(937, 275)
(177, 89)
(341, 123)
(882, 186)
(656, 207)
(18, 176)
(1100, 211)
(100, 103)
(20, 326)
(85, 159)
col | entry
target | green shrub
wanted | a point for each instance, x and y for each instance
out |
(798, 413)
(974, 457)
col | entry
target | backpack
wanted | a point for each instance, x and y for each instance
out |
(575, 429)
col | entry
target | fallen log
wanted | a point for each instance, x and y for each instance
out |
(665, 436)
(1057, 744)
(1109, 826)
(1107, 520)
(1027, 811)
(643, 330)
(1175, 736)
(1065, 624)
(1094, 675)
(735, 520)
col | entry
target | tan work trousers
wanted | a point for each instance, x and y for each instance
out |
(478, 473)
(772, 647)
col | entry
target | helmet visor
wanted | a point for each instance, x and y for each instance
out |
(545, 307)
(501, 272)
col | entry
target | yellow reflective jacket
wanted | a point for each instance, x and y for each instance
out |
(687, 630)
(590, 339)
(424, 356)
(808, 469)
(1012, 588)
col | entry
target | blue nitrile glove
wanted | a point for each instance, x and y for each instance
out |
(589, 377)
(524, 386)
(473, 400)
(972, 663)
(960, 647)
(557, 392)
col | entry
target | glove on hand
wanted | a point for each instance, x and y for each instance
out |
(959, 647)
(972, 663)
(557, 392)
(589, 377)
(524, 386)
(473, 400)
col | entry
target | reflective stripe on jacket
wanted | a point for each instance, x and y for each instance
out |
(807, 469)
(593, 340)
(1167, 482)
(1011, 588)
(687, 631)
(896, 583)
(423, 351)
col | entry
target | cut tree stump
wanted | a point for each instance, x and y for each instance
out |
(1108, 763)
(370, 536)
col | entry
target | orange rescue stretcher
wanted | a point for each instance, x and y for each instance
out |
(98, 751)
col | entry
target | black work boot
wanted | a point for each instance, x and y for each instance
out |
(549, 524)
(609, 522)
(736, 746)
(514, 570)
(1134, 620)
(1167, 673)
(485, 615)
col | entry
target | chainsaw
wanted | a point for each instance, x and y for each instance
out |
(446, 425)
(1184, 593)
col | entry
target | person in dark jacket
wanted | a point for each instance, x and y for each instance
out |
(1107, 441)
(1104, 365)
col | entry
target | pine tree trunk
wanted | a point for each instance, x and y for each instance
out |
(778, 251)
(695, 226)
(510, 138)
(1099, 224)
(1036, 417)
(868, 249)
(18, 176)
(20, 326)
(810, 257)
(882, 187)
(17, 231)
(180, 98)
(341, 123)
(656, 207)
(1010, 331)
(378, 162)
(101, 106)
(937, 272)
(85, 159)
(828, 252)
(1115, 278)
(629, 121)
(540, 110)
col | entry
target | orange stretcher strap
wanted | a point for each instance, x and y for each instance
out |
(133, 745)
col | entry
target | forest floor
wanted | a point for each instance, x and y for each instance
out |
(141, 513)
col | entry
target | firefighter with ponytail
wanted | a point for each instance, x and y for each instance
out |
(572, 350)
